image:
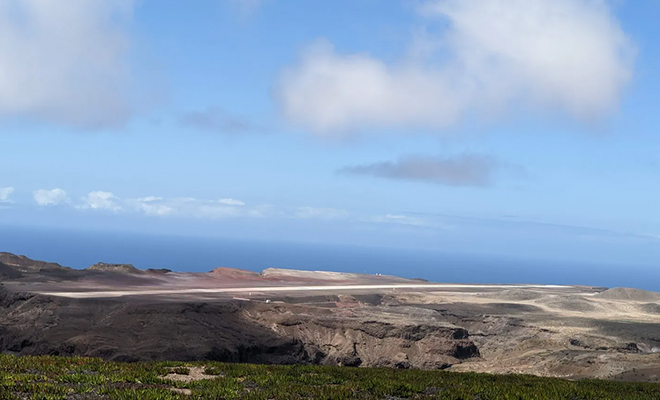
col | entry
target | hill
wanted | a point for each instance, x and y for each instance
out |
(118, 268)
(25, 264)
(629, 294)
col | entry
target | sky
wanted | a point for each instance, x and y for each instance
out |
(520, 128)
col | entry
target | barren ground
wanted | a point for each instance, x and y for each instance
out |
(285, 316)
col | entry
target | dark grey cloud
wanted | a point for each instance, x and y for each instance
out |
(462, 170)
(215, 119)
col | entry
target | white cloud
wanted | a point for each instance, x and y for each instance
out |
(320, 213)
(51, 197)
(194, 208)
(151, 205)
(65, 64)
(100, 200)
(5, 193)
(231, 202)
(207, 209)
(493, 56)
(328, 92)
(399, 219)
(149, 199)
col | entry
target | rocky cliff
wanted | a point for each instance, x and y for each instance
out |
(229, 331)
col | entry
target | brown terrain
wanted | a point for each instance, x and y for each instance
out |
(119, 312)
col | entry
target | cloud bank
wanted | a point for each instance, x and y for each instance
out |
(178, 206)
(66, 65)
(492, 56)
(463, 170)
(216, 210)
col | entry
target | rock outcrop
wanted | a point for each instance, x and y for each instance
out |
(117, 268)
(7, 272)
(115, 330)
(370, 336)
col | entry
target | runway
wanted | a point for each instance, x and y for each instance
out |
(281, 289)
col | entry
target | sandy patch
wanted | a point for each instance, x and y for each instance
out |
(194, 374)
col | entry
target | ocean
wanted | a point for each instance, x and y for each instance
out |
(79, 249)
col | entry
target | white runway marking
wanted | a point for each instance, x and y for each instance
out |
(270, 289)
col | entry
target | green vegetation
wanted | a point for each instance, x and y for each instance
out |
(75, 378)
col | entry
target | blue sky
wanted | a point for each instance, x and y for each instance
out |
(484, 126)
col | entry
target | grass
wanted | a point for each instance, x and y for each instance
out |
(76, 378)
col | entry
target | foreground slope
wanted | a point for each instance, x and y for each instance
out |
(56, 378)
